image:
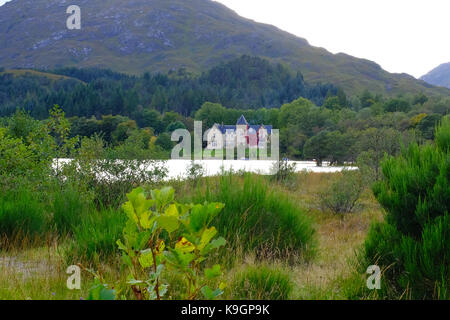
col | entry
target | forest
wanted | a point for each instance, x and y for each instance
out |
(316, 121)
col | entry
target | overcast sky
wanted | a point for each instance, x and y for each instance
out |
(409, 36)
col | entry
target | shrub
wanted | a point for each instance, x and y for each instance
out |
(343, 193)
(413, 244)
(151, 245)
(21, 215)
(283, 171)
(443, 135)
(262, 283)
(257, 218)
(109, 174)
(16, 158)
(195, 171)
(415, 188)
(114, 178)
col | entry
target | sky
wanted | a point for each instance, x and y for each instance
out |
(410, 36)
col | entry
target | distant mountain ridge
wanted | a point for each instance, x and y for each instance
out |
(439, 76)
(160, 35)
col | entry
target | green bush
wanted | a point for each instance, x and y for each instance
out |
(262, 283)
(415, 189)
(343, 193)
(413, 245)
(16, 158)
(21, 215)
(256, 218)
(442, 136)
(283, 171)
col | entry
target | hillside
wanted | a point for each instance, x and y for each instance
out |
(160, 35)
(33, 73)
(439, 76)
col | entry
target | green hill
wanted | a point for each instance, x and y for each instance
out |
(161, 35)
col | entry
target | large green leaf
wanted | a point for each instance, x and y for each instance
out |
(172, 211)
(206, 237)
(209, 294)
(168, 223)
(146, 258)
(139, 201)
(214, 272)
(215, 244)
(163, 197)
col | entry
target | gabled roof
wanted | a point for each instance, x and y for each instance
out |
(224, 128)
(242, 121)
(257, 127)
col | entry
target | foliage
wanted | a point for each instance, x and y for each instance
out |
(69, 209)
(21, 215)
(94, 238)
(283, 171)
(109, 173)
(412, 245)
(162, 234)
(164, 141)
(59, 128)
(16, 158)
(428, 124)
(195, 171)
(374, 144)
(343, 193)
(256, 218)
(442, 137)
(123, 109)
(316, 147)
(242, 83)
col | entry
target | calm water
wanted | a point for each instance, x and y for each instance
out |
(177, 169)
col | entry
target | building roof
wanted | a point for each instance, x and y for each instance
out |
(224, 128)
(257, 127)
(242, 121)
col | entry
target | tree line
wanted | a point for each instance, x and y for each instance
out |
(317, 122)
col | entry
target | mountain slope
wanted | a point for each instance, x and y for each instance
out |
(439, 76)
(159, 35)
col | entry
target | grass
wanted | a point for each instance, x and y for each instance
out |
(260, 282)
(257, 218)
(94, 240)
(326, 275)
(21, 215)
(35, 274)
(69, 210)
(24, 72)
(339, 237)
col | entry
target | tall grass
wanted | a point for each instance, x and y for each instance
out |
(94, 240)
(262, 283)
(256, 218)
(21, 215)
(69, 210)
